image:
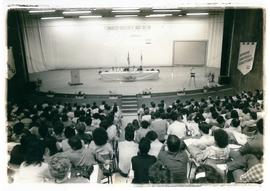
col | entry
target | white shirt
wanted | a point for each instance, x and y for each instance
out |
(146, 118)
(31, 173)
(177, 128)
(127, 150)
(155, 148)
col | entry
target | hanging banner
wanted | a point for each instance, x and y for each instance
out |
(246, 56)
(11, 64)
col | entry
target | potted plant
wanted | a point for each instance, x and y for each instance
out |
(181, 92)
(146, 93)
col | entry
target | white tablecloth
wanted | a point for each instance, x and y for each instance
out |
(130, 76)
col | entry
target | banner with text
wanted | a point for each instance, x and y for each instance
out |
(246, 57)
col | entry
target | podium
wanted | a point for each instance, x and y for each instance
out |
(75, 78)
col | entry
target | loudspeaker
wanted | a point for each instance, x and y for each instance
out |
(222, 80)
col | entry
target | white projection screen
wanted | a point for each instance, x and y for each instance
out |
(189, 53)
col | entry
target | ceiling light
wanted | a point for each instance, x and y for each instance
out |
(48, 18)
(126, 8)
(194, 14)
(166, 11)
(159, 15)
(126, 15)
(42, 11)
(76, 12)
(126, 11)
(90, 16)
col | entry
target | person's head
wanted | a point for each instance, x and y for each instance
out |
(129, 133)
(204, 127)
(34, 152)
(96, 115)
(157, 114)
(174, 116)
(151, 135)
(58, 128)
(146, 111)
(80, 127)
(173, 143)
(144, 124)
(253, 115)
(43, 131)
(159, 173)
(220, 120)
(69, 132)
(100, 136)
(234, 114)
(144, 145)
(260, 126)
(235, 123)
(75, 143)
(207, 174)
(221, 138)
(135, 124)
(59, 167)
(18, 128)
(88, 120)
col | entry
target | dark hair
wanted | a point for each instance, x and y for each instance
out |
(220, 119)
(144, 145)
(204, 127)
(88, 120)
(43, 131)
(151, 135)
(260, 126)
(159, 173)
(135, 124)
(208, 175)
(100, 136)
(235, 123)
(69, 132)
(144, 124)
(234, 114)
(75, 143)
(80, 127)
(253, 115)
(157, 114)
(174, 116)
(18, 128)
(58, 128)
(221, 138)
(34, 152)
(129, 133)
(173, 143)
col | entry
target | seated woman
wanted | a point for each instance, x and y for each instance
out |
(60, 171)
(142, 162)
(159, 173)
(214, 154)
(206, 174)
(33, 169)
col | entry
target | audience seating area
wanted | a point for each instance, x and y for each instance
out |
(196, 141)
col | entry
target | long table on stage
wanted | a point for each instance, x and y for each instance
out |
(130, 75)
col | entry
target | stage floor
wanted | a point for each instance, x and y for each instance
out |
(171, 79)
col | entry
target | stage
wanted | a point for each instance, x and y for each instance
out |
(171, 79)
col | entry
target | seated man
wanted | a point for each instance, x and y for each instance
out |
(249, 154)
(155, 143)
(160, 126)
(175, 158)
(206, 174)
(126, 150)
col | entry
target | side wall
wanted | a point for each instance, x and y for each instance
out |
(248, 26)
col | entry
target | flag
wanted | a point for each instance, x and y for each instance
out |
(246, 57)
(128, 60)
(11, 64)
(141, 58)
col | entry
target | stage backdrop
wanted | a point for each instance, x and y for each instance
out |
(106, 42)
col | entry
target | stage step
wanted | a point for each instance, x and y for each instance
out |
(129, 104)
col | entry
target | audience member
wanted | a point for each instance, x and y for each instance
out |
(142, 162)
(175, 158)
